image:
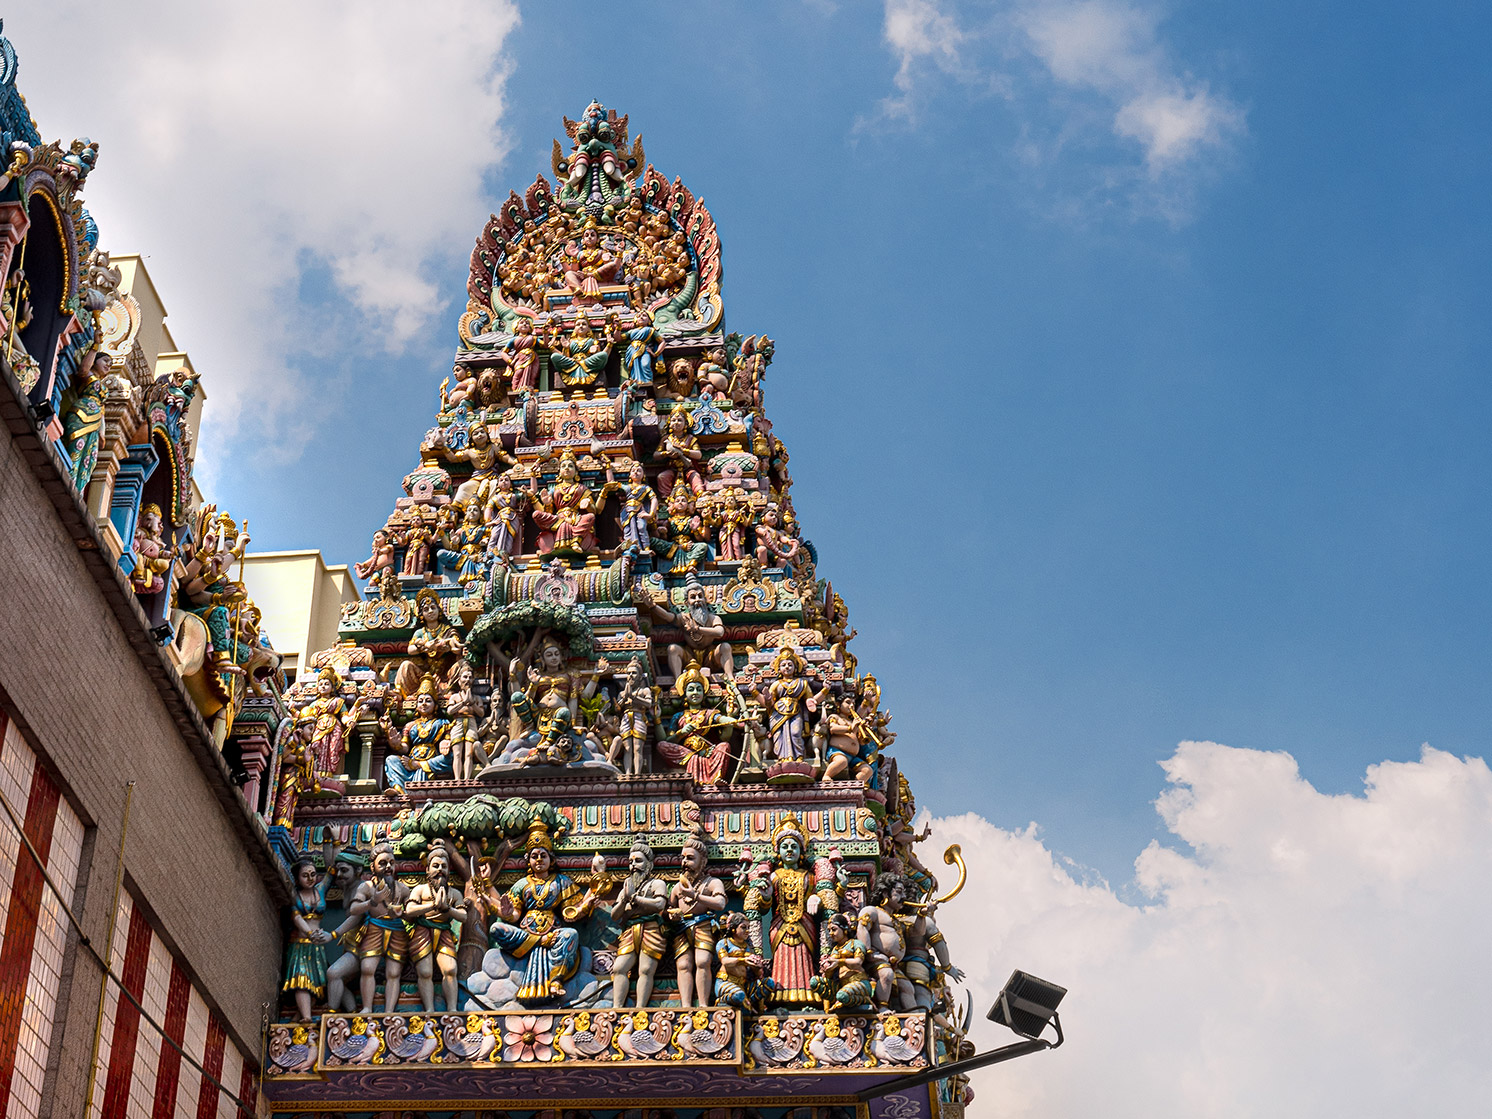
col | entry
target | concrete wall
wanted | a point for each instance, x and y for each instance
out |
(301, 600)
(73, 679)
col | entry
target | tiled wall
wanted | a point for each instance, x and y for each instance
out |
(34, 926)
(139, 1075)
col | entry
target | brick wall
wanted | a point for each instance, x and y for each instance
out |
(75, 686)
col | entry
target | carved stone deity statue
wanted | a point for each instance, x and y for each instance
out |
(305, 956)
(485, 457)
(529, 922)
(565, 513)
(580, 360)
(430, 915)
(842, 982)
(880, 929)
(638, 908)
(693, 903)
(639, 505)
(679, 451)
(383, 938)
(790, 893)
(741, 980)
(644, 346)
(421, 750)
(704, 632)
(152, 557)
(697, 733)
(788, 699)
(523, 357)
(433, 648)
(637, 714)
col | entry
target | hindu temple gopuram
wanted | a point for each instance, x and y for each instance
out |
(585, 808)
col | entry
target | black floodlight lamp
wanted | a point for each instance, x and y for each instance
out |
(1026, 1005)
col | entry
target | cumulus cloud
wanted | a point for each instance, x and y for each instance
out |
(1058, 63)
(1287, 953)
(245, 148)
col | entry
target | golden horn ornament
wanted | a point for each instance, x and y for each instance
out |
(953, 856)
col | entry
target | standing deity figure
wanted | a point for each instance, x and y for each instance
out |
(528, 924)
(504, 517)
(152, 557)
(83, 418)
(421, 750)
(693, 903)
(691, 743)
(523, 357)
(741, 981)
(565, 513)
(382, 557)
(638, 908)
(466, 710)
(784, 893)
(731, 518)
(788, 699)
(379, 902)
(639, 507)
(679, 451)
(638, 712)
(927, 958)
(434, 906)
(580, 359)
(842, 983)
(305, 956)
(704, 632)
(688, 539)
(433, 647)
(297, 774)
(879, 927)
(417, 541)
(331, 720)
(644, 346)
(773, 544)
(16, 308)
(485, 457)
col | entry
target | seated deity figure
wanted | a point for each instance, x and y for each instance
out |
(430, 915)
(879, 927)
(565, 513)
(638, 908)
(693, 904)
(704, 632)
(697, 733)
(529, 922)
(382, 556)
(851, 743)
(465, 551)
(546, 710)
(152, 556)
(842, 983)
(587, 266)
(639, 507)
(421, 750)
(433, 648)
(580, 360)
(773, 545)
(741, 981)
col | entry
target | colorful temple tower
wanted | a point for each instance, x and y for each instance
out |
(592, 810)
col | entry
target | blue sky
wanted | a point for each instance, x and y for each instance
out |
(1107, 443)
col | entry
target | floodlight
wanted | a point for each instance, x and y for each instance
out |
(1027, 1005)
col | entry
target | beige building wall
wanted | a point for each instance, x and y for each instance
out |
(300, 598)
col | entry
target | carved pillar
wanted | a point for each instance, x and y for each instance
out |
(124, 497)
(121, 419)
(254, 751)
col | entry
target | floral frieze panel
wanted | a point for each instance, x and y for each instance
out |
(837, 1043)
(508, 1038)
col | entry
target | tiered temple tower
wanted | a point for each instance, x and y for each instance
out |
(592, 808)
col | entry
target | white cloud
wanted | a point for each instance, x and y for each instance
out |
(243, 146)
(1295, 954)
(1059, 62)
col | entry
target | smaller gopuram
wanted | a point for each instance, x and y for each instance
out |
(592, 810)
